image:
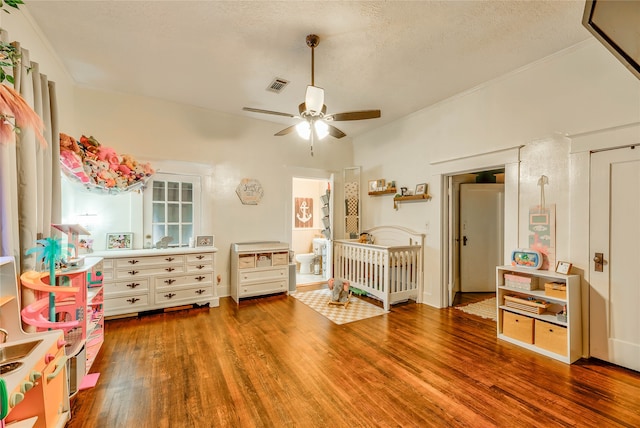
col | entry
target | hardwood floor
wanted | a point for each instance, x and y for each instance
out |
(274, 362)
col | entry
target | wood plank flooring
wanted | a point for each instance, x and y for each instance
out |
(274, 362)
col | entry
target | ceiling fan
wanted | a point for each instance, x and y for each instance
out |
(313, 110)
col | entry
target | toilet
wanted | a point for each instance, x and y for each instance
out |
(305, 261)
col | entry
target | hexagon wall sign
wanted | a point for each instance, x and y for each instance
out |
(250, 191)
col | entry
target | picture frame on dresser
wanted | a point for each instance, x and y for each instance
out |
(204, 241)
(119, 241)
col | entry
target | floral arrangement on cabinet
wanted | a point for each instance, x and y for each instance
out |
(97, 166)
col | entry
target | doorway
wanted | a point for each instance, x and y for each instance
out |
(311, 225)
(476, 234)
(614, 319)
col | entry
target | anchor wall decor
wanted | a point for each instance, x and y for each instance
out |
(304, 212)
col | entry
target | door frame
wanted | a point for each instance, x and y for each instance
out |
(509, 159)
(582, 145)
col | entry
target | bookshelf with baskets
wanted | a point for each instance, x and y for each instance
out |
(541, 311)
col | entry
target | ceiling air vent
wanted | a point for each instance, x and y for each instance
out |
(277, 85)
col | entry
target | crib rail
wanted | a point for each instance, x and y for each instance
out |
(391, 274)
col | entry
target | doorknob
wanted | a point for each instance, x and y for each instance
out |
(599, 262)
(464, 240)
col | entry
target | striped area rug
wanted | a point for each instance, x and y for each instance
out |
(355, 311)
(484, 308)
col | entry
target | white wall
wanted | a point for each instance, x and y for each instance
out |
(581, 89)
(231, 146)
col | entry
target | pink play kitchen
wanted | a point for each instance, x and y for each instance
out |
(46, 350)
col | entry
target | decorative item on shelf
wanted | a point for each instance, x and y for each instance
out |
(120, 241)
(99, 168)
(164, 242)
(531, 259)
(421, 189)
(562, 315)
(250, 191)
(204, 241)
(563, 268)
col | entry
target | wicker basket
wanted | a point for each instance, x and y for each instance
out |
(523, 304)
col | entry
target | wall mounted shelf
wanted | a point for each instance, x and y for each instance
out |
(388, 191)
(412, 198)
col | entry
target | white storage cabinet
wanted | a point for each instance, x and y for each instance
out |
(259, 268)
(543, 332)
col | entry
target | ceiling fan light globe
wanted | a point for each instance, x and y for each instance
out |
(304, 129)
(321, 128)
(314, 99)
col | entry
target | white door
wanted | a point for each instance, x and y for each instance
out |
(481, 235)
(614, 307)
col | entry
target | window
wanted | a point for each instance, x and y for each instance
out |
(172, 205)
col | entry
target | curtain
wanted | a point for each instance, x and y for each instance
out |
(30, 194)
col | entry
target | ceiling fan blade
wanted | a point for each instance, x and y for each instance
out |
(285, 131)
(257, 110)
(354, 115)
(335, 132)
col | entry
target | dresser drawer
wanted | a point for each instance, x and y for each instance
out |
(173, 282)
(248, 290)
(517, 326)
(200, 266)
(551, 337)
(168, 259)
(174, 297)
(199, 257)
(135, 272)
(126, 304)
(263, 275)
(132, 286)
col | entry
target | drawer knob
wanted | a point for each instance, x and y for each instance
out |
(170, 259)
(133, 285)
(200, 267)
(200, 291)
(200, 278)
(132, 300)
(133, 272)
(200, 257)
(169, 269)
(170, 295)
(169, 281)
(133, 262)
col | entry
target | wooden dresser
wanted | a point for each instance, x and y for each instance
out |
(144, 280)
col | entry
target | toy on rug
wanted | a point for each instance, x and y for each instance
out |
(340, 292)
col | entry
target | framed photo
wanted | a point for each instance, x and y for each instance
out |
(120, 241)
(204, 241)
(421, 189)
(563, 268)
(373, 186)
(381, 184)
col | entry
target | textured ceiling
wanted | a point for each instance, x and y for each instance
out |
(221, 55)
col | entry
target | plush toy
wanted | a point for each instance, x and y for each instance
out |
(68, 143)
(339, 290)
(110, 156)
(89, 146)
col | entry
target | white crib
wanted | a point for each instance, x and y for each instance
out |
(389, 270)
